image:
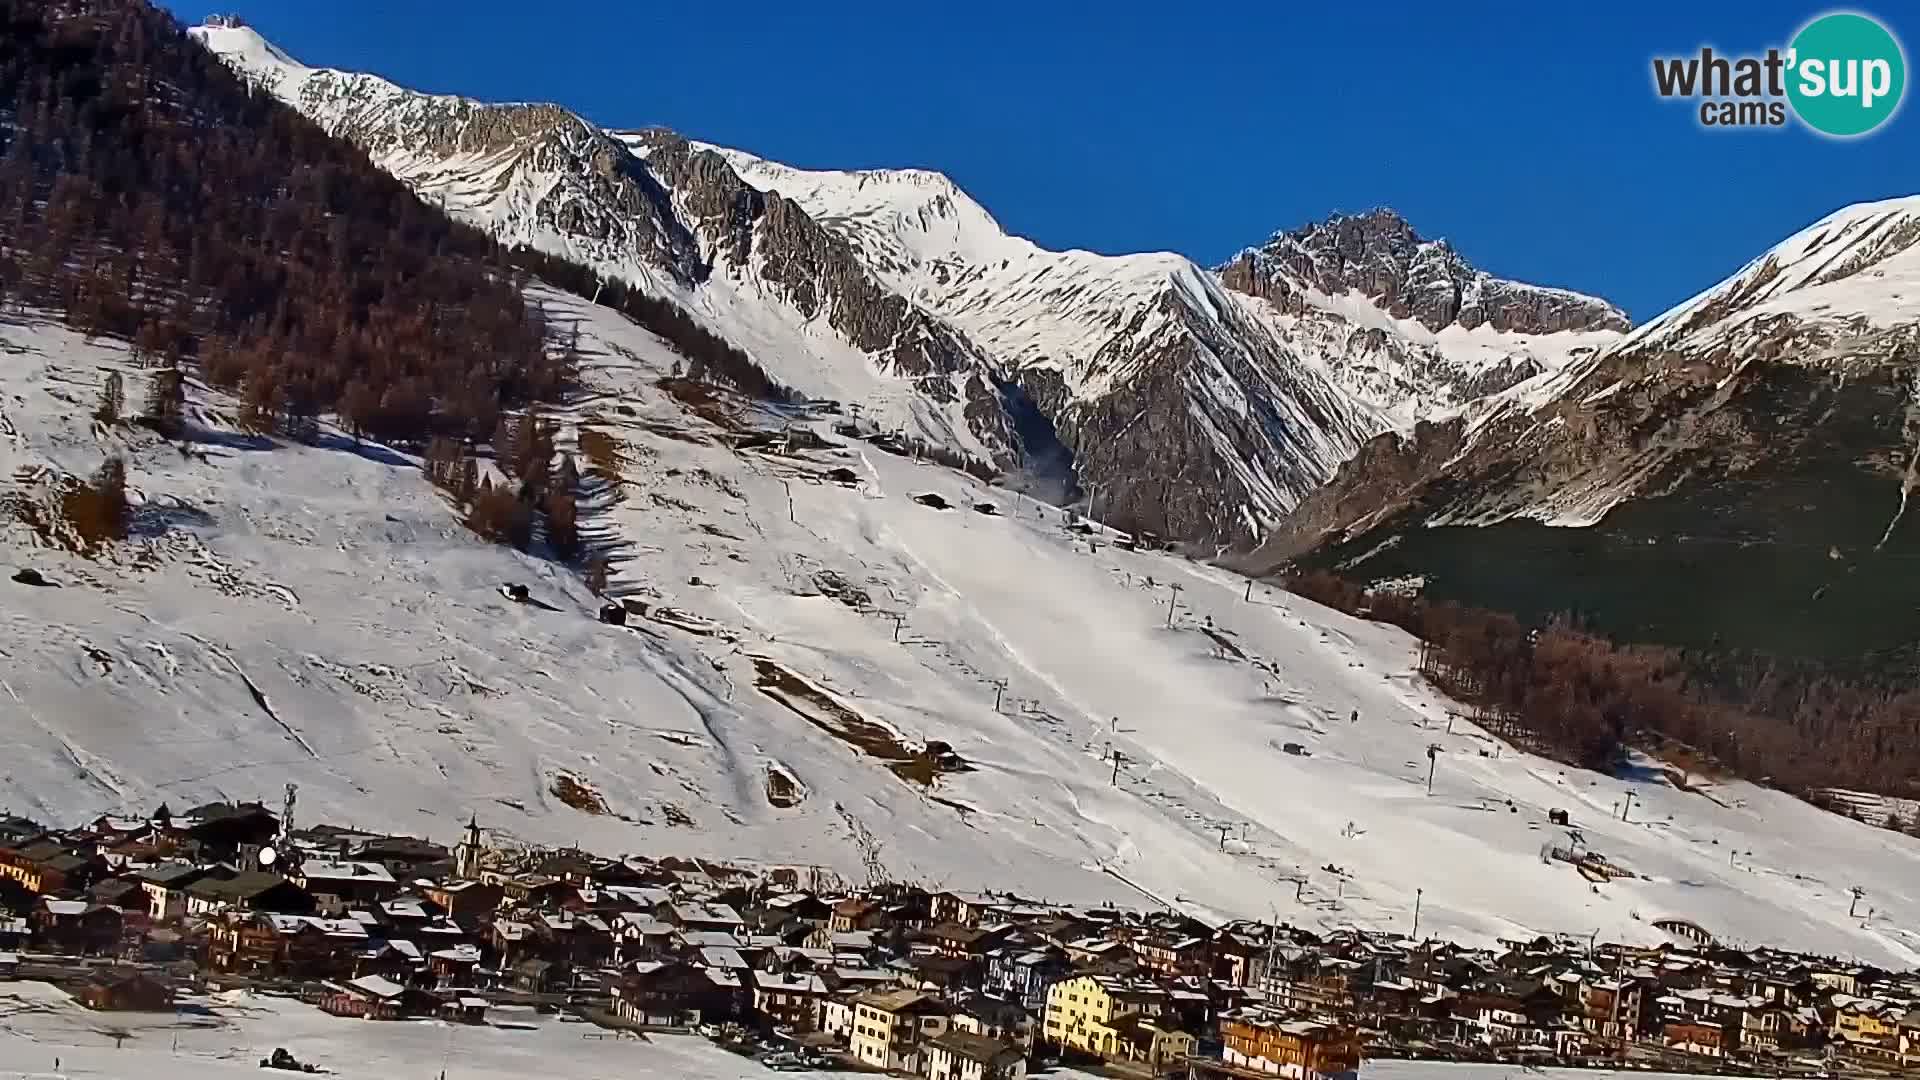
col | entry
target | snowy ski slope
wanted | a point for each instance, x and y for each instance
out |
(316, 614)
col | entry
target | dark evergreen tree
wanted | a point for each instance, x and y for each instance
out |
(113, 399)
(165, 408)
(563, 525)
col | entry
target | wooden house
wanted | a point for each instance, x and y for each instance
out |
(1302, 1049)
(77, 926)
(125, 991)
(674, 994)
(370, 997)
(963, 1055)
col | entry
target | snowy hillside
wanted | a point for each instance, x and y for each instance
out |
(316, 614)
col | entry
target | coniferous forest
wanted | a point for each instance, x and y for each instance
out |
(146, 192)
(1583, 699)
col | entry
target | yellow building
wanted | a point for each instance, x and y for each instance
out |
(1115, 1019)
(891, 1028)
(1867, 1026)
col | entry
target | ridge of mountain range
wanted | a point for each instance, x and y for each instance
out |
(1198, 404)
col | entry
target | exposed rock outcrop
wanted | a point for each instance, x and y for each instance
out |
(1379, 255)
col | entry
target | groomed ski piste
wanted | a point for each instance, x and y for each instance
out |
(227, 1034)
(317, 614)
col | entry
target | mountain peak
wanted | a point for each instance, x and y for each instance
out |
(241, 45)
(1380, 255)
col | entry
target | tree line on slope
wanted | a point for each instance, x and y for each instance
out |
(1583, 699)
(710, 357)
(150, 195)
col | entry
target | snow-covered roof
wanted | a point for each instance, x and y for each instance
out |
(727, 959)
(378, 986)
(333, 870)
(707, 913)
(791, 984)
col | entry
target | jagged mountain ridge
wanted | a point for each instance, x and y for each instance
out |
(1379, 255)
(1092, 330)
(541, 176)
(1739, 467)
(1186, 414)
(1413, 327)
(1187, 407)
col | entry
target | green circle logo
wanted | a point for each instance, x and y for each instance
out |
(1847, 74)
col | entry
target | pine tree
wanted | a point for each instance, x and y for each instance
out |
(166, 402)
(563, 525)
(533, 454)
(113, 399)
(505, 438)
(96, 512)
(359, 408)
(468, 483)
(498, 516)
(442, 464)
(259, 405)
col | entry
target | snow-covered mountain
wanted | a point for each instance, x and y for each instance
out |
(317, 614)
(1186, 411)
(1187, 403)
(754, 269)
(1407, 323)
(1740, 466)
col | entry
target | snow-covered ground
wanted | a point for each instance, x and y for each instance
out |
(316, 614)
(228, 1034)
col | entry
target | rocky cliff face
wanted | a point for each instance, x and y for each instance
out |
(817, 271)
(1740, 467)
(1187, 411)
(1379, 256)
(1407, 324)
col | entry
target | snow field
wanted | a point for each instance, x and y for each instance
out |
(402, 691)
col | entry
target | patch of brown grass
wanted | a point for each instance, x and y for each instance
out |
(604, 454)
(575, 793)
(917, 766)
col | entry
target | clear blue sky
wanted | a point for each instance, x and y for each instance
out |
(1527, 134)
